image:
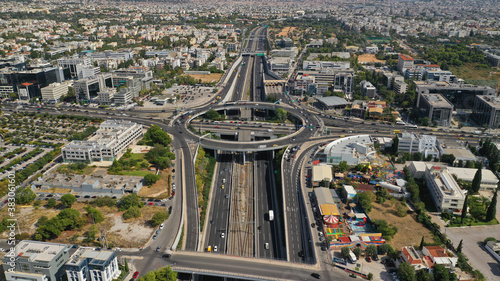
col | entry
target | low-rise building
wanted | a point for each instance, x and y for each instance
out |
(54, 92)
(321, 173)
(36, 261)
(108, 142)
(425, 144)
(441, 256)
(413, 257)
(280, 64)
(353, 149)
(123, 97)
(331, 102)
(494, 248)
(446, 193)
(349, 191)
(88, 264)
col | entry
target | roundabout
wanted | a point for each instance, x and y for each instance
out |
(306, 126)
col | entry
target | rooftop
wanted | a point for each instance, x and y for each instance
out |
(490, 100)
(321, 172)
(332, 101)
(83, 253)
(437, 100)
(39, 251)
(405, 57)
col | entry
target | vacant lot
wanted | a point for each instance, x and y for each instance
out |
(284, 31)
(369, 58)
(410, 231)
(160, 189)
(474, 74)
(125, 234)
(207, 78)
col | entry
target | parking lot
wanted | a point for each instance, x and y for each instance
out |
(189, 96)
(17, 158)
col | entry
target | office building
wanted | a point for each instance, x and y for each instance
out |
(36, 261)
(70, 64)
(88, 264)
(446, 194)
(112, 138)
(460, 95)
(280, 64)
(106, 96)
(488, 179)
(404, 62)
(123, 97)
(425, 144)
(87, 71)
(437, 108)
(86, 89)
(27, 84)
(400, 87)
(319, 65)
(285, 42)
(368, 89)
(486, 111)
(54, 92)
(117, 55)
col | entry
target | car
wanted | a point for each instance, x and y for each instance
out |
(222, 186)
(266, 246)
(158, 231)
(150, 203)
(215, 248)
(316, 275)
(155, 236)
(369, 259)
(162, 226)
(158, 248)
(136, 274)
(86, 196)
(167, 256)
(227, 196)
(323, 248)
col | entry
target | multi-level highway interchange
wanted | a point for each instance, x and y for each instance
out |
(250, 245)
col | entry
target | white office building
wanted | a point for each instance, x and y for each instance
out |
(446, 194)
(353, 149)
(36, 261)
(71, 64)
(54, 92)
(106, 96)
(88, 264)
(112, 138)
(425, 144)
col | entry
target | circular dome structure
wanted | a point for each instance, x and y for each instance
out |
(329, 219)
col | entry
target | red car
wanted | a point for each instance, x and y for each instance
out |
(150, 203)
(136, 274)
(217, 127)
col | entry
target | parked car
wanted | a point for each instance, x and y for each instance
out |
(136, 274)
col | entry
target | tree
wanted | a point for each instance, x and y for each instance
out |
(132, 212)
(492, 208)
(51, 203)
(25, 197)
(343, 166)
(370, 276)
(344, 252)
(476, 182)
(388, 231)
(423, 275)
(385, 249)
(441, 273)
(157, 136)
(464, 208)
(94, 214)
(150, 179)
(281, 114)
(460, 246)
(406, 272)
(365, 201)
(162, 274)
(371, 251)
(422, 243)
(68, 199)
(213, 115)
(158, 218)
(395, 145)
(129, 201)
(126, 265)
(357, 251)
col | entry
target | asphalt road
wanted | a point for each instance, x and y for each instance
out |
(219, 212)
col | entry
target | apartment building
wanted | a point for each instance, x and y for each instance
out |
(54, 92)
(368, 89)
(36, 261)
(88, 264)
(487, 111)
(446, 193)
(404, 62)
(107, 144)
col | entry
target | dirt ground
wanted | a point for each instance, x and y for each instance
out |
(369, 58)
(284, 31)
(161, 188)
(207, 78)
(410, 231)
(125, 234)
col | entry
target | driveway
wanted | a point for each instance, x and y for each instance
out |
(478, 257)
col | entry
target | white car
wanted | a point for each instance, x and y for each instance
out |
(222, 235)
(215, 248)
(162, 226)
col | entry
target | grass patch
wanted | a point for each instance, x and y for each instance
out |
(132, 173)
(204, 168)
(475, 73)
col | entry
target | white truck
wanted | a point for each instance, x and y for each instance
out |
(352, 257)
(271, 215)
